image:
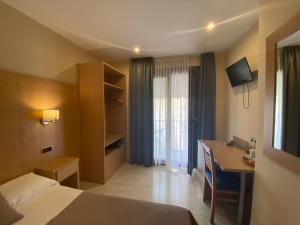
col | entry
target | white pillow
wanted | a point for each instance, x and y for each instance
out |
(23, 188)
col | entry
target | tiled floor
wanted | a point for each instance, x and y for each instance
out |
(163, 185)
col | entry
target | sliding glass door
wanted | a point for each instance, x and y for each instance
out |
(170, 91)
(160, 93)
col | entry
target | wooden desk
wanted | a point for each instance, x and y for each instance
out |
(64, 170)
(229, 159)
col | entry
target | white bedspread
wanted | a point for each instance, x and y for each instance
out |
(46, 205)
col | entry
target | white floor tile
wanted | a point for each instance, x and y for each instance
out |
(163, 185)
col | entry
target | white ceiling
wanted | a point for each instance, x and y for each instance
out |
(112, 28)
(292, 40)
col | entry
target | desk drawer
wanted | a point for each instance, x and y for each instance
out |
(67, 171)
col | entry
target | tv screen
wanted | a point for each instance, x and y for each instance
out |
(239, 73)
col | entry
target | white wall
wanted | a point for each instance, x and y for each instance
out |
(30, 48)
(276, 190)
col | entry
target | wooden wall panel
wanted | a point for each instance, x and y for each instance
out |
(22, 135)
(8, 95)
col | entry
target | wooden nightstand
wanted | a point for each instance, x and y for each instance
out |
(64, 170)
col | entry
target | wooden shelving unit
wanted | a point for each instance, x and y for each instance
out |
(103, 120)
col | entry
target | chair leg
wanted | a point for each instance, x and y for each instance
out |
(205, 190)
(213, 205)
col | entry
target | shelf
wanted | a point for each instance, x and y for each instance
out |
(109, 151)
(111, 75)
(112, 71)
(114, 99)
(111, 138)
(112, 87)
(118, 101)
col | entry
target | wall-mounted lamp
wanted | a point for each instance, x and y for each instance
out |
(49, 116)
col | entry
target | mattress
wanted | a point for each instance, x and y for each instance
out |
(94, 209)
(43, 201)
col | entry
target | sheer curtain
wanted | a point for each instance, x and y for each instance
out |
(278, 110)
(170, 92)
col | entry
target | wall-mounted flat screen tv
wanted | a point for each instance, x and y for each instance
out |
(239, 73)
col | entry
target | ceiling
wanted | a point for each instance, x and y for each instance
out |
(292, 40)
(111, 29)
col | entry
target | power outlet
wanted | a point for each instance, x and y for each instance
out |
(45, 150)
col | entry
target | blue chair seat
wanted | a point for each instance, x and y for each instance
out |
(225, 180)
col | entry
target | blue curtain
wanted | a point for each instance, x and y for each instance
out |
(202, 105)
(290, 63)
(141, 111)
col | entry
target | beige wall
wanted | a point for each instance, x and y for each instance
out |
(221, 61)
(30, 48)
(276, 190)
(237, 120)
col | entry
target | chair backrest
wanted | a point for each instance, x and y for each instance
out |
(209, 162)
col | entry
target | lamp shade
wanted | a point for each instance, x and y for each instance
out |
(50, 116)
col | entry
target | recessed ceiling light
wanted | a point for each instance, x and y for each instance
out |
(136, 50)
(210, 26)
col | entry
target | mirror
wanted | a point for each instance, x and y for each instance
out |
(281, 101)
(286, 129)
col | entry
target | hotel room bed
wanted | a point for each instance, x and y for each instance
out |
(53, 204)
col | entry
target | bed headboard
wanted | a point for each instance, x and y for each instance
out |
(22, 97)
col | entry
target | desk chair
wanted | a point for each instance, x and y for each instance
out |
(223, 186)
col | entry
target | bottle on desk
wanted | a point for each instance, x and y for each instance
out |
(252, 148)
